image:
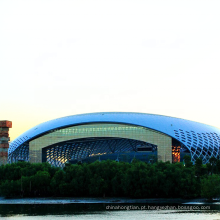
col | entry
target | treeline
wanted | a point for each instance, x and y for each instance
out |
(112, 179)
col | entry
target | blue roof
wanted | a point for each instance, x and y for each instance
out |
(187, 132)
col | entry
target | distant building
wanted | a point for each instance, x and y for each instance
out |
(4, 139)
(116, 136)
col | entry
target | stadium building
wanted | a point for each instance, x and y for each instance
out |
(116, 136)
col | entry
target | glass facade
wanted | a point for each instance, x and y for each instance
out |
(98, 130)
(91, 149)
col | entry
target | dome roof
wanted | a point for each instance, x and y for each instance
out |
(192, 134)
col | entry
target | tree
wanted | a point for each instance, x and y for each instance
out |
(56, 181)
(10, 188)
(198, 167)
(210, 187)
(41, 183)
(187, 161)
(212, 165)
(97, 187)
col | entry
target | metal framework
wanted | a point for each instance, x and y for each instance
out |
(20, 154)
(201, 145)
(84, 150)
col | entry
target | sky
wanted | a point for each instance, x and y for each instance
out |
(67, 57)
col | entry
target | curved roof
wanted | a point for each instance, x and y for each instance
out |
(191, 134)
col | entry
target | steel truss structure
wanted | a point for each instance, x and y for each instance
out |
(82, 149)
(20, 154)
(201, 145)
